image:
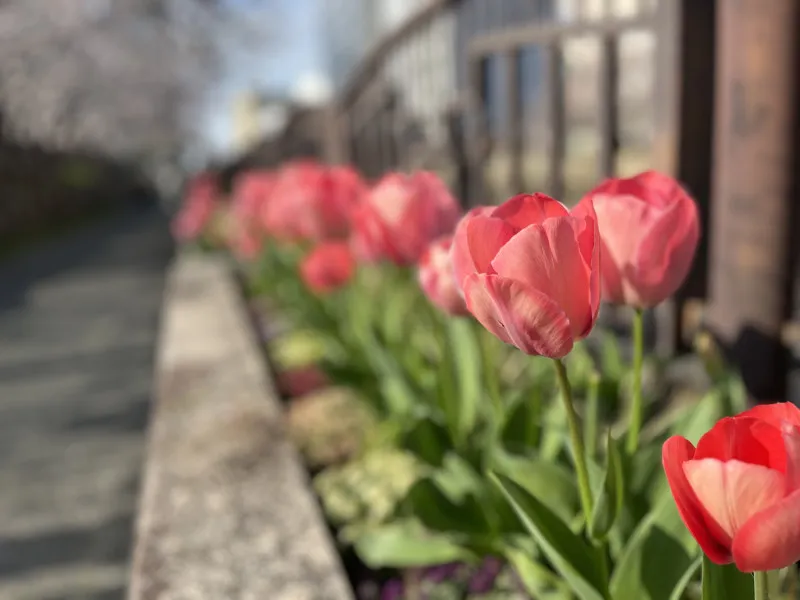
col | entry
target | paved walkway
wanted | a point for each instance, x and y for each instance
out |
(78, 323)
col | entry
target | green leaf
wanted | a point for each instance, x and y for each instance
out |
(611, 361)
(438, 512)
(552, 484)
(465, 353)
(679, 591)
(655, 557)
(554, 431)
(725, 582)
(406, 544)
(539, 581)
(457, 477)
(577, 562)
(612, 494)
(521, 430)
(428, 440)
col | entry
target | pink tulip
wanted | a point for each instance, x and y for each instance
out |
(328, 267)
(437, 279)
(738, 492)
(530, 272)
(649, 228)
(251, 193)
(198, 208)
(313, 202)
(401, 215)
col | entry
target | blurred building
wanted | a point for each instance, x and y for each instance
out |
(256, 116)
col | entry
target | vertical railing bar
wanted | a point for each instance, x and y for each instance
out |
(477, 128)
(608, 106)
(513, 124)
(556, 118)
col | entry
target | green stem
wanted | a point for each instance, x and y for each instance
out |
(490, 372)
(576, 438)
(637, 404)
(760, 585)
(592, 420)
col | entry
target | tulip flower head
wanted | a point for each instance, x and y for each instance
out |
(251, 193)
(738, 491)
(328, 267)
(401, 215)
(437, 279)
(650, 228)
(313, 202)
(198, 208)
(529, 271)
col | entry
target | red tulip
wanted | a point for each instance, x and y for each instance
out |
(328, 267)
(198, 208)
(313, 202)
(437, 279)
(529, 270)
(402, 215)
(649, 228)
(738, 492)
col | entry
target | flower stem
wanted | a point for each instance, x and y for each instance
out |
(637, 408)
(576, 439)
(760, 585)
(490, 372)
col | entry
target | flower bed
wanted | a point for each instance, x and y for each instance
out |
(470, 431)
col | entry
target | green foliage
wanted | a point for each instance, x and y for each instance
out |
(365, 492)
(467, 453)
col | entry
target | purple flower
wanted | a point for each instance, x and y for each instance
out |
(441, 573)
(483, 579)
(392, 590)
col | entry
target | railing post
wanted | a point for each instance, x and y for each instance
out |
(684, 105)
(755, 121)
(608, 105)
(336, 146)
(556, 118)
(514, 121)
(478, 131)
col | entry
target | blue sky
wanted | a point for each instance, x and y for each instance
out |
(292, 50)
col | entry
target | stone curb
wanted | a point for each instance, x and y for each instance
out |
(226, 511)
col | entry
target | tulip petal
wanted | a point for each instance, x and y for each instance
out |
(666, 251)
(518, 315)
(653, 187)
(791, 441)
(746, 440)
(485, 237)
(460, 255)
(547, 258)
(528, 209)
(674, 454)
(587, 232)
(775, 413)
(770, 539)
(621, 221)
(733, 491)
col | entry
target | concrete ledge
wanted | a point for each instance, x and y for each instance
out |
(226, 511)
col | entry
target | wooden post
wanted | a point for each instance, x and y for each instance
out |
(514, 122)
(754, 126)
(684, 102)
